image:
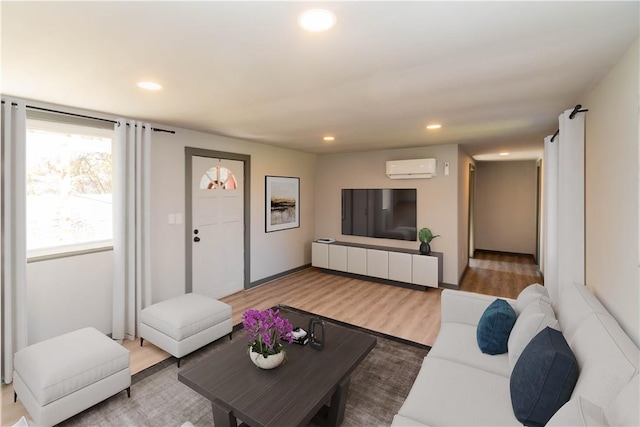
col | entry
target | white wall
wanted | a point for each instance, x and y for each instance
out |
(437, 202)
(505, 214)
(611, 192)
(271, 253)
(541, 225)
(69, 293)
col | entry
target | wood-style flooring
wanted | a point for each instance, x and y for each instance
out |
(500, 274)
(405, 313)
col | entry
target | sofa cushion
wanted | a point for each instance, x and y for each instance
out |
(457, 342)
(494, 327)
(578, 412)
(465, 307)
(532, 293)
(447, 393)
(543, 378)
(575, 304)
(607, 358)
(534, 318)
(623, 409)
(400, 421)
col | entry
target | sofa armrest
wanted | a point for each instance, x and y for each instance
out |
(465, 307)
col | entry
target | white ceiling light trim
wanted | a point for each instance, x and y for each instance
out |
(316, 20)
(149, 85)
(513, 156)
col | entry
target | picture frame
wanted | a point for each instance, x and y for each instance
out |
(282, 203)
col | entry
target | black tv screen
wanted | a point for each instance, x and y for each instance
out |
(388, 213)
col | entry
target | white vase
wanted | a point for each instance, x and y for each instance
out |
(269, 362)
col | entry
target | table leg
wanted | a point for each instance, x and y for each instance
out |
(338, 403)
(222, 417)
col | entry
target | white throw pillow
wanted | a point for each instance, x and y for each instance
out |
(578, 412)
(22, 422)
(533, 292)
(623, 409)
(533, 319)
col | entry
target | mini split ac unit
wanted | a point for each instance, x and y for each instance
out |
(412, 169)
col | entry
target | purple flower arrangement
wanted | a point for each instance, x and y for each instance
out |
(265, 329)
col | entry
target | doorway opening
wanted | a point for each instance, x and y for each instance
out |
(504, 220)
(222, 180)
(471, 245)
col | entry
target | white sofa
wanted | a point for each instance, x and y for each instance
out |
(458, 385)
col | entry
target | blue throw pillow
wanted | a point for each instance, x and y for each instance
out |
(543, 378)
(495, 326)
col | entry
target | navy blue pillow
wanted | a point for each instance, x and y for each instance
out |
(495, 326)
(543, 378)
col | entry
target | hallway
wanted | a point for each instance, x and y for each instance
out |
(500, 274)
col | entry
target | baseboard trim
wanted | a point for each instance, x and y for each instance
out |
(277, 276)
(449, 286)
(489, 251)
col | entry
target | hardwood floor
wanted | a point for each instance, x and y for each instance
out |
(409, 314)
(500, 274)
(405, 313)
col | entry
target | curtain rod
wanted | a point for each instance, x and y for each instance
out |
(48, 110)
(576, 110)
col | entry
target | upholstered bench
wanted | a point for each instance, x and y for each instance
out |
(62, 376)
(183, 324)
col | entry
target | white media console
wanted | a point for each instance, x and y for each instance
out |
(398, 266)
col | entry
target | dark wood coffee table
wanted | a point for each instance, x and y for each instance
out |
(289, 395)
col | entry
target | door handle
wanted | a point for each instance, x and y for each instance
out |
(196, 239)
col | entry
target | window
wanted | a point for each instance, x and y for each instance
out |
(69, 187)
(218, 177)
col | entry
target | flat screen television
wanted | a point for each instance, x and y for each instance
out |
(388, 213)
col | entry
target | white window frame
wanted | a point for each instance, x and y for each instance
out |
(59, 122)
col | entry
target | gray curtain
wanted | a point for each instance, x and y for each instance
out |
(564, 206)
(131, 226)
(13, 248)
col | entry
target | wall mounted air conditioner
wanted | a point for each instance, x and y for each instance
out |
(412, 169)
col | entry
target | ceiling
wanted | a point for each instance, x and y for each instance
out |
(496, 75)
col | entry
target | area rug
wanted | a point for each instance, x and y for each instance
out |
(379, 386)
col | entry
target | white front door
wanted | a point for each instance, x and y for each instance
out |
(217, 235)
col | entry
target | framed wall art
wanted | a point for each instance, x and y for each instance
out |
(282, 200)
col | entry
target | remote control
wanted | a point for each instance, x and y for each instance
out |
(326, 240)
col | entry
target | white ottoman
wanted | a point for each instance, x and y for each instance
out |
(62, 376)
(183, 324)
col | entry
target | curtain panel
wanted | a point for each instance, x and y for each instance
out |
(571, 199)
(564, 205)
(13, 233)
(551, 215)
(131, 226)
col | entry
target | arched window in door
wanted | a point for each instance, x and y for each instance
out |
(218, 177)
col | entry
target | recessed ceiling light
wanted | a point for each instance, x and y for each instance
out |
(329, 138)
(149, 85)
(504, 153)
(316, 20)
(434, 126)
